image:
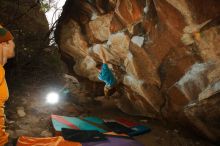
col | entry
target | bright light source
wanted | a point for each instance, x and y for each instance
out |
(52, 98)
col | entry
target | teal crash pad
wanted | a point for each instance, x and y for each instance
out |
(60, 122)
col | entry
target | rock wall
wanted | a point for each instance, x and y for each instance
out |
(164, 54)
(28, 23)
(29, 26)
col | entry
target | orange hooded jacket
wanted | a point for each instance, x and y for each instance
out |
(50, 141)
(3, 97)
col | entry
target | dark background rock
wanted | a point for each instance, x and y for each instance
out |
(29, 26)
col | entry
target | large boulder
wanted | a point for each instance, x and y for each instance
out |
(99, 29)
(204, 116)
(164, 53)
(72, 41)
(129, 11)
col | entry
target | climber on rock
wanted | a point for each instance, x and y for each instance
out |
(106, 76)
(6, 51)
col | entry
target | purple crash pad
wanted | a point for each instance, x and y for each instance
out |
(114, 141)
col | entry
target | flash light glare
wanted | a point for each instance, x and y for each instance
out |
(52, 98)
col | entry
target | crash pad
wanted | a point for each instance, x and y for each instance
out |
(126, 122)
(82, 135)
(60, 122)
(138, 130)
(114, 141)
(118, 128)
(96, 120)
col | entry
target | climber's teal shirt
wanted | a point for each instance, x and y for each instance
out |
(107, 76)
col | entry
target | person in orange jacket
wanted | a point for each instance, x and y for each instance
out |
(6, 51)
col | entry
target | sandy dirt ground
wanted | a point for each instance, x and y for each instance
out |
(28, 114)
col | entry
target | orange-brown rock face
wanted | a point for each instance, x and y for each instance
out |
(129, 11)
(98, 30)
(165, 55)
